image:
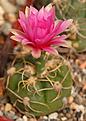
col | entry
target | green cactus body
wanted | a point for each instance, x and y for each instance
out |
(75, 9)
(39, 86)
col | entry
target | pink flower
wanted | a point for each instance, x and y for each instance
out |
(40, 31)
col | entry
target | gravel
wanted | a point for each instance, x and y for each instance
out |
(75, 109)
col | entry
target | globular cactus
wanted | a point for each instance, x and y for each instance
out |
(39, 86)
(40, 83)
(75, 9)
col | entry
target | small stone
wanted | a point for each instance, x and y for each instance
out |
(73, 115)
(64, 111)
(32, 119)
(25, 118)
(81, 108)
(78, 99)
(9, 115)
(71, 98)
(83, 65)
(1, 113)
(12, 18)
(74, 106)
(64, 119)
(21, 2)
(53, 115)
(5, 28)
(58, 119)
(8, 107)
(19, 119)
(71, 112)
(81, 118)
(71, 60)
(77, 61)
(68, 115)
(15, 117)
(61, 115)
(80, 79)
(45, 117)
(84, 87)
(84, 71)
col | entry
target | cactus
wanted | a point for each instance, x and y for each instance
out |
(40, 83)
(75, 9)
(39, 86)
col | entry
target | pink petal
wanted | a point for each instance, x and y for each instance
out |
(57, 39)
(26, 29)
(27, 42)
(41, 13)
(51, 35)
(52, 12)
(63, 43)
(17, 32)
(25, 25)
(57, 28)
(36, 53)
(50, 50)
(63, 26)
(27, 11)
(17, 38)
(33, 10)
(22, 16)
(48, 7)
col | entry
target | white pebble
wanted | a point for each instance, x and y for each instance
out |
(45, 117)
(64, 119)
(25, 118)
(81, 118)
(53, 115)
(80, 80)
(82, 108)
(71, 60)
(84, 71)
(5, 28)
